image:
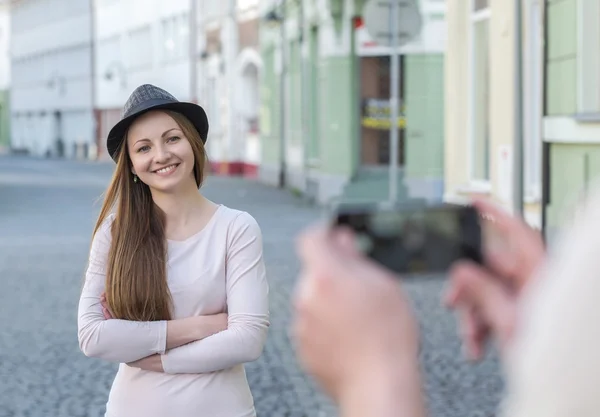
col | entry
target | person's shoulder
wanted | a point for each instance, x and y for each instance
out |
(103, 236)
(105, 228)
(238, 220)
(107, 223)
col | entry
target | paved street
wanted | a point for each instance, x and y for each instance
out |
(47, 211)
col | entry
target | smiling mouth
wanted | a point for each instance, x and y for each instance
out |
(166, 170)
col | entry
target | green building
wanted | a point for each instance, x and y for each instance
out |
(4, 121)
(326, 134)
(571, 123)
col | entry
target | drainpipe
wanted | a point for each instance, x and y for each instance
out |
(234, 140)
(233, 109)
(193, 34)
(305, 95)
(95, 112)
(282, 98)
(518, 112)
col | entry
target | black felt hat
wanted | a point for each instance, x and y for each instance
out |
(149, 97)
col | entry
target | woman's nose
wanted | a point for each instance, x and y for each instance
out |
(162, 155)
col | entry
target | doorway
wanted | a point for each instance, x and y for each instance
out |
(375, 112)
(58, 132)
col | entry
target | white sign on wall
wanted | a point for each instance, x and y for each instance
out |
(430, 39)
(378, 21)
(505, 173)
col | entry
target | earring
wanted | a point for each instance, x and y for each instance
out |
(135, 178)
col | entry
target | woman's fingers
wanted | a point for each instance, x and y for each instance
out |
(106, 311)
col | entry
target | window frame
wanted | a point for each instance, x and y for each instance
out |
(588, 65)
(475, 16)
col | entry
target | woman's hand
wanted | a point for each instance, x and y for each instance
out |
(487, 298)
(215, 323)
(108, 314)
(199, 326)
(151, 363)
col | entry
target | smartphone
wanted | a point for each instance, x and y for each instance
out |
(410, 240)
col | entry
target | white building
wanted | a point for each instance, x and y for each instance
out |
(325, 101)
(4, 76)
(230, 68)
(480, 101)
(4, 44)
(139, 42)
(51, 91)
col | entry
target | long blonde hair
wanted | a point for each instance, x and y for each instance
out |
(136, 276)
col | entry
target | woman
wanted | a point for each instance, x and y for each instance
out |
(175, 290)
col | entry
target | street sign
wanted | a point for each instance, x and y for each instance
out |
(378, 21)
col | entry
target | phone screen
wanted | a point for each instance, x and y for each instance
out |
(427, 240)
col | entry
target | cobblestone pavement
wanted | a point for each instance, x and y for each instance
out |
(47, 211)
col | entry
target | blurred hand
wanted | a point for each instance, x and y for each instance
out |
(108, 314)
(486, 298)
(353, 324)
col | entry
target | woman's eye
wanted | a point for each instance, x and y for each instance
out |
(173, 139)
(143, 148)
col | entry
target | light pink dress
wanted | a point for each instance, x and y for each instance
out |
(219, 269)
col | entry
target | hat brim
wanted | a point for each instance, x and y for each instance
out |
(193, 112)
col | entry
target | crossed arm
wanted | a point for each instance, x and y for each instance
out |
(190, 345)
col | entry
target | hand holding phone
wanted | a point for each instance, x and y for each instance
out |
(410, 240)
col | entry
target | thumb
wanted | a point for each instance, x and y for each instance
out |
(345, 240)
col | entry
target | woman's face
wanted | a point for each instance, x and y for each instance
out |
(161, 156)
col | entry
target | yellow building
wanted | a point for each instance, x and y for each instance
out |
(479, 102)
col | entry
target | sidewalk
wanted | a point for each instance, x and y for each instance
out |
(47, 212)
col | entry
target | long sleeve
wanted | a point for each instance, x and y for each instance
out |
(247, 307)
(113, 340)
(554, 368)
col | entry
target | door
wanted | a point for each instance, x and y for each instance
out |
(58, 132)
(375, 111)
(314, 102)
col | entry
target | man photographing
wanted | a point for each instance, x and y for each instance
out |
(357, 335)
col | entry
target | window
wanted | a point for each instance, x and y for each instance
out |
(479, 5)
(212, 10)
(589, 57)
(168, 39)
(109, 56)
(480, 88)
(140, 48)
(175, 37)
(213, 107)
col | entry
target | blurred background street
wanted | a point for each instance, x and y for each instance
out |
(47, 212)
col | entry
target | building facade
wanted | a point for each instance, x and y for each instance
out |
(571, 122)
(230, 68)
(138, 42)
(4, 76)
(325, 121)
(480, 97)
(51, 89)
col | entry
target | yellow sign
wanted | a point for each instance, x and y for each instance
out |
(383, 124)
(376, 114)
